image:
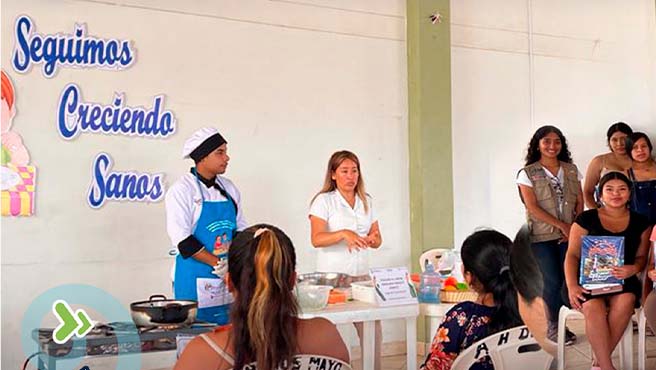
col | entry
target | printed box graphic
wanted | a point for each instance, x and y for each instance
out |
(18, 200)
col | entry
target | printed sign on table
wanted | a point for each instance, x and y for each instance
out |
(392, 286)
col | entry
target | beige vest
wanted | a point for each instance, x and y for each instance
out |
(548, 200)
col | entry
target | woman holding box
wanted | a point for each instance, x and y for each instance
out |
(607, 315)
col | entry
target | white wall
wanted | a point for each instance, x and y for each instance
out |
(594, 64)
(287, 83)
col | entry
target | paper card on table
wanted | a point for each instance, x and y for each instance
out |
(212, 292)
(392, 286)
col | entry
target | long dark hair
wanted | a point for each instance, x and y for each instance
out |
(524, 269)
(262, 270)
(533, 151)
(329, 184)
(486, 255)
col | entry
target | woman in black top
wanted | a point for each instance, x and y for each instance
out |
(606, 316)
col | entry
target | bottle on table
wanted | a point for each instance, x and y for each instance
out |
(430, 285)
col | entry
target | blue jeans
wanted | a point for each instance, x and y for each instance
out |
(550, 256)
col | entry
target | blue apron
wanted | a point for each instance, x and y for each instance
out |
(216, 224)
(643, 197)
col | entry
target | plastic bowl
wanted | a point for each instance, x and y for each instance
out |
(312, 297)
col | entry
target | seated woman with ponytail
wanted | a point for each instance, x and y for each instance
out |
(486, 267)
(265, 333)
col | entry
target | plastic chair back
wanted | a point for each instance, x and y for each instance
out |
(432, 256)
(509, 349)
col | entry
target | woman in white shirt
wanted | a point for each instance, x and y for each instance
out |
(550, 188)
(343, 224)
(342, 219)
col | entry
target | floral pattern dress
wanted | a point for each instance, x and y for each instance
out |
(464, 324)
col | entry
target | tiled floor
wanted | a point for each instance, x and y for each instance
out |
(577, 357)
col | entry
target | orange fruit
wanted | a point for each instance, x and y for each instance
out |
(451, 281)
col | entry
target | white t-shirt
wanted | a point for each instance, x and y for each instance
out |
(338, 214)
(556, 182)
(184, 204)
(300, 361)
(310, 362)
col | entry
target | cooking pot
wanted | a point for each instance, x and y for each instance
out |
(158, 310)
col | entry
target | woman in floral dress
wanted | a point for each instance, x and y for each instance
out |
(486, 259)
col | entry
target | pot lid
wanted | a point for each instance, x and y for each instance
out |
(160, 300)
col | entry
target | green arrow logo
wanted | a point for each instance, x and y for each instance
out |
(69, 321)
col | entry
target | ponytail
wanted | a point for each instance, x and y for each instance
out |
(486, 255)
(265, 309)
(505, 298)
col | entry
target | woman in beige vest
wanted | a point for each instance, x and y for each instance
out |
(266, 332)
(616, 160)
(550, 187)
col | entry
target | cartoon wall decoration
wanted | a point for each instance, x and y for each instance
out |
(18, 177)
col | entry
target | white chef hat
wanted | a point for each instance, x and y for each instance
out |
(201, 143)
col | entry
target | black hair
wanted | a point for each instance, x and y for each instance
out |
(486, 255)
(262, 265)
(633, 138)
(613, 175)
(524, 269)
(533, 152)
(618, 126)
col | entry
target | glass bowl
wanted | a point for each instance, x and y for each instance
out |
(312, 297)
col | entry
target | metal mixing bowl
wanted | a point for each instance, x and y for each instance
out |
(334, 279)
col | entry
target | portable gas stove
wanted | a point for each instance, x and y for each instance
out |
(113, 339)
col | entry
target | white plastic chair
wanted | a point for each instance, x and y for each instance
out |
(510, 349)
(625, 346)
(432, 256)
(641, 319)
